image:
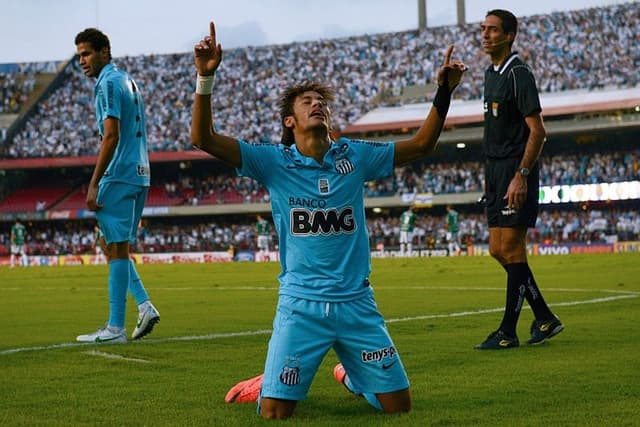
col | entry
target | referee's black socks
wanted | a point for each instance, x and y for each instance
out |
(516, 289)
(522, 285)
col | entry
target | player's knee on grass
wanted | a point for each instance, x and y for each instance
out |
(395, 402)
(276, 408)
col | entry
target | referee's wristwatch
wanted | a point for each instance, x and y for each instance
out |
(523, 171)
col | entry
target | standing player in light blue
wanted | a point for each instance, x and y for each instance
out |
(119, 184)
(316, 186)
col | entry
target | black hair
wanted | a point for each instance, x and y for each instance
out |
(509, 20)
(288, 98)
(96, 38)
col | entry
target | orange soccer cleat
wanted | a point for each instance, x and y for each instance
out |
(245, 391)
(339, 373)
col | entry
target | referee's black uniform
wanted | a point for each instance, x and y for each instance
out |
(510, 95)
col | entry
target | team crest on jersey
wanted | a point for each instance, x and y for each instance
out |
(344, 166)
(323, 185)
(494, 109)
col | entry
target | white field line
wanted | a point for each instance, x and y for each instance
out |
(500, 309)
(268, 331)
(115, 356)
(382, 288)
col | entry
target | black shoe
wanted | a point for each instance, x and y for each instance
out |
(542, 330)
(498, 340)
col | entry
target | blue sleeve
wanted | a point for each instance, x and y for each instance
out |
(259, 161)
(110, 99)
(376, 158)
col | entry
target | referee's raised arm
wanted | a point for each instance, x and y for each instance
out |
(207, 57)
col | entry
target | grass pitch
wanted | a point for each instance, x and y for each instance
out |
(215, 326)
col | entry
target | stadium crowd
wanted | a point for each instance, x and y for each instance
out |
(221, 233)
(207, 185)
(436, 178)
(582, 49)
(15, 90)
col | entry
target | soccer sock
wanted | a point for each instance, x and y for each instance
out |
(13, 260)
(369, 397)
(373, 400)
(534, 297)
(118, 283)
(135, 285)
(516, 280)
(348, 384)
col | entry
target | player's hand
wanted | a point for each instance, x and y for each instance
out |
(208, 53)
(92, 199)
(516, 192)
(102, 242)
(450, 73)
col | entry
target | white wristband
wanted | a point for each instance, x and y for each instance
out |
(204, 85)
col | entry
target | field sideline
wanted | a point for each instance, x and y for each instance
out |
(216, 320)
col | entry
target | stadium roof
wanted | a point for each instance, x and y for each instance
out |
(471, 112)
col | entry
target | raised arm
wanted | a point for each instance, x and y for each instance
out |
(424, 141)
(207, 57)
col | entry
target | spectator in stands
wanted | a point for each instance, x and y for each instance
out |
(513, 138)
(317, 198)
(119, 184)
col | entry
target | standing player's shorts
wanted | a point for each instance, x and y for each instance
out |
(453, 236)
(18, 249)
(304, 331)
(122, 206)
(498, 175)
(406, 236)
(263, 242)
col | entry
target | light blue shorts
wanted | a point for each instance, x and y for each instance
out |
(122, 206)
(304, 331)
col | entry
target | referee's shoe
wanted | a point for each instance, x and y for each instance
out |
(542, 330)
(498, 340)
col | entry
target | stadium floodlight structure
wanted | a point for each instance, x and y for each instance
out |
(462, 19)
(422, 13)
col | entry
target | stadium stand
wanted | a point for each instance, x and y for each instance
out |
(197, 203)
(359, 68)
(33, 199)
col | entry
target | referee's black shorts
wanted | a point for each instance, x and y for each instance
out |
(498, 175)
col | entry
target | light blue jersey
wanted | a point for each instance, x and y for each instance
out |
(318, 211)
(118, 96)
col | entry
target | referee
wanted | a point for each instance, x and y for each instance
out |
(513, 138)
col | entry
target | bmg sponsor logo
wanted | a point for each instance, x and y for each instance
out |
(305, 222)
